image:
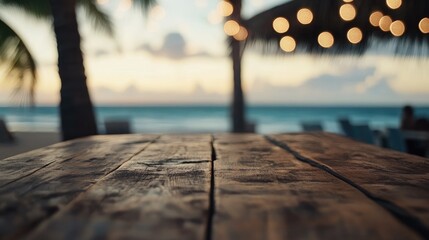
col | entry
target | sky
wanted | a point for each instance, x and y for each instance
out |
(177, 53)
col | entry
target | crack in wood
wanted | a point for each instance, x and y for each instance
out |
(398, 212)
(212, 207)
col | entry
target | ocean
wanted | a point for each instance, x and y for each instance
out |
(194, 119)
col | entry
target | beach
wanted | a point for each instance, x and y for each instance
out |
(27, 141)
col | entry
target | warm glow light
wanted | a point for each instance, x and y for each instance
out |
(325, 39)
(287, 44)
(424, 25)
(281, 25)
(384, 23)
(397, 28)
(304, 16)
(375, 17)
(354, 35)
(347, 12)
(347, 1)
(242, 34)
(231, 27)
(394, 4)
(225, 8)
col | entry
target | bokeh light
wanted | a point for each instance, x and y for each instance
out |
(225, 8)
(375, 17)
(305, 16)
(397, 28)
(384, 23)
(242, 34)
(325, 39)
(231, 27)
(394, 4)
(281, 25)
(287, 44)
(354, 35)
(347, 12)
(424, 25)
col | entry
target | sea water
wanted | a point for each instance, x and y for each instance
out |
(194, 119)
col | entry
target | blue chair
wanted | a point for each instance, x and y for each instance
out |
(363, 133)
(396, 140)
(5, 135)
(346, 127)
(311, 126)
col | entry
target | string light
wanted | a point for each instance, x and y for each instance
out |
(225, 8)
(347, 12)
(231, 27)
(397, 28)
(304, 16)
(375, 17)
(280, 25)
(325, 39)
(394, 4)
(287, 44)
(242, 34)
(384, 23)
(354, 35)
(424, 25)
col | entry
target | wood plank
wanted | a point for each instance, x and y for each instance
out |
(263, 192)
(162, 193)
(28, 201)
(16, 167)
(397, 180)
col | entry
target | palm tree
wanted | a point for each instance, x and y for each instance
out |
(76, 110)
(238, 116)
(20, 64)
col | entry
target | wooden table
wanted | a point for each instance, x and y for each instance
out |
(222, 186)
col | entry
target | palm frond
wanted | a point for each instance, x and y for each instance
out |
(326, 18)
(145, 5)
(19, 63)
(99, 19)
(39, 8)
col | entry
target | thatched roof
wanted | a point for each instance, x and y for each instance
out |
(326, 17)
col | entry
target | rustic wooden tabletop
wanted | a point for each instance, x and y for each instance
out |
(222, 186)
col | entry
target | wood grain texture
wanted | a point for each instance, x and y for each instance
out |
(161, 193)
(72, 168)
(16, 167)
(397, 179)
(263, 192)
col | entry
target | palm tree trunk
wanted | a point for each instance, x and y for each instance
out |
(238, 104)
(76, 110)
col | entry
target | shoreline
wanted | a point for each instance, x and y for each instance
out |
(27, 141)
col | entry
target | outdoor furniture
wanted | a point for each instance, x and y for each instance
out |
(419, 139)
(363, 133)
(311, 126)
(117, 126)
(221, 186)
(396, 140)
(346, 127)
(5, 135)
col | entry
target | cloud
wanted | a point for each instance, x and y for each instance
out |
(133, 95)
(345, 88)
(174, 47)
